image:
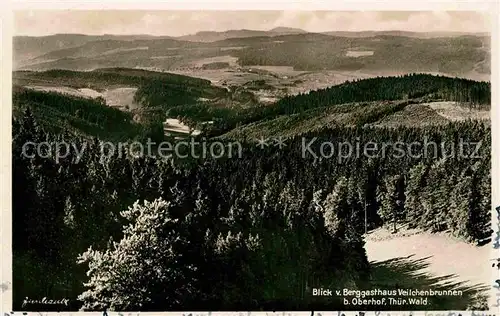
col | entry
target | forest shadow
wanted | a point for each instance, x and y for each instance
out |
(409, 273)
(484, 242)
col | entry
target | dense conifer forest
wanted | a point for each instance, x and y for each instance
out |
(413, 86)
(250, 233)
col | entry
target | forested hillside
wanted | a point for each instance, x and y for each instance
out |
(157, 92)
(101, 78)
(196, 101)
(254, 232)
(164, 94)
(411, 88)
(231, 243)
(457, 54)
(387, 88)
(319, 52)
(88, 118)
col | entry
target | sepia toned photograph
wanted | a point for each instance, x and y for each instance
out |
(173, 160)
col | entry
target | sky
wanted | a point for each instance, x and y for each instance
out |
(177, 23)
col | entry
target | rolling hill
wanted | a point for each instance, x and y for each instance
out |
(207, 36)
(77, 116)
(381, 101)
(287, 200)
(391, 51)
(29, 47)
(403, 33)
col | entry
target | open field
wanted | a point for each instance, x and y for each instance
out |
(283, 79)
(219, 59)
(353, 53)
(436, 255)
(121, 97)
(121, 50)
(281, 71)
(452, 112)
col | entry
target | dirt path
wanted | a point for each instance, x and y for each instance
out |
(434, 259)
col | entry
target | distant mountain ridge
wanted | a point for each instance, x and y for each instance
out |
(280, 30)
(213, 36)
(402, 33)
(28, 47)
(280, 46)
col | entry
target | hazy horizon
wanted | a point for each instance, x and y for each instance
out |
(139, 34)
(180, 23)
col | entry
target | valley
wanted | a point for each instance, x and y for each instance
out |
(260, 231)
